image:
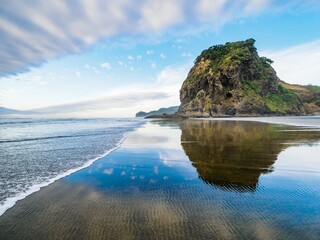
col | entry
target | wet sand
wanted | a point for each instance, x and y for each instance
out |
(191, 179)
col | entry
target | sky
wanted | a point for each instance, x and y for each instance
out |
(96, 58)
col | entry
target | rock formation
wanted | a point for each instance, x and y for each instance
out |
(232, 80)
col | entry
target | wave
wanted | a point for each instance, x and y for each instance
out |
(53, 137)
(32, 120)
(14, 121)
(11, 201)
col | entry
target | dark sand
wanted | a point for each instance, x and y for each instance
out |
(185, 180)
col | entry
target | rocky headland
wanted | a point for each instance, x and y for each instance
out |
(233, 80)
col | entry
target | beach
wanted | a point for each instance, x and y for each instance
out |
(190, 179)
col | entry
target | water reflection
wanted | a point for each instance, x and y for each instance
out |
(149, 189)
(232, 155)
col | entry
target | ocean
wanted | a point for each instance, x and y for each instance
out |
(36, 152)
(192, 179)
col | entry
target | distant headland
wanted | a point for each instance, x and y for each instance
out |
(160, 111)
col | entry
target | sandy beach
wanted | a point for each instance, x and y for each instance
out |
(192, 179)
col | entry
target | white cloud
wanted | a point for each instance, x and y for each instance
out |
(253, 6)
(120, 63)
(106, 65)
(78, 74)
(163, 56)
(207, 9)
(37, 78)
(122, 99)
(50, 29)
(172, 77)
(297, 65)
(169, 80)
(149, 52)
(130, 58)
(185, 54)
(139, 57)
(153, 65)
(219, 12)
(158, 15)
(131, 99)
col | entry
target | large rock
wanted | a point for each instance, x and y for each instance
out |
(232, 80)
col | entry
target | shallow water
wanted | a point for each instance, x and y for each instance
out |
(35, 152)
(194, 179)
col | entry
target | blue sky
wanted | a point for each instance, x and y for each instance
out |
(93, 58)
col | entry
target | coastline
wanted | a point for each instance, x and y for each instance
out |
(152, 185)
(272, 119)
(10, 202)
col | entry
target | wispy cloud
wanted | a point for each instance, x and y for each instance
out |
(172, 77)
(118, 100)
(163, 56)
(299, 64)
(185, 54)
(49, 29)
(123, 101)
(78, 74)
(131, 98)
(153, 65)
(106, 65)
(159, 15)
(149, 52)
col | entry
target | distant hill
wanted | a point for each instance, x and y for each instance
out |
(309, 95)
(8, 111)
(233, 80)
(160, 111)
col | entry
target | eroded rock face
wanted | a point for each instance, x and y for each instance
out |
(232, 80)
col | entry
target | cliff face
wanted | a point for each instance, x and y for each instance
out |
(231, 80)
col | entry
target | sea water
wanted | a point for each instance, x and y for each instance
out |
(36, 152)
(191, 179)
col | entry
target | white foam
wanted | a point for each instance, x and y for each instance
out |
(11, 201)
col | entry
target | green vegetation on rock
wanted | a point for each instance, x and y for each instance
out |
(169, 110)
(313, 88)
(232, 79)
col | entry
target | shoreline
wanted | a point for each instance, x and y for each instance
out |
(12, 201)
(269, 119)
(264, 119)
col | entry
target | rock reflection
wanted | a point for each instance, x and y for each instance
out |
(232, 155)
